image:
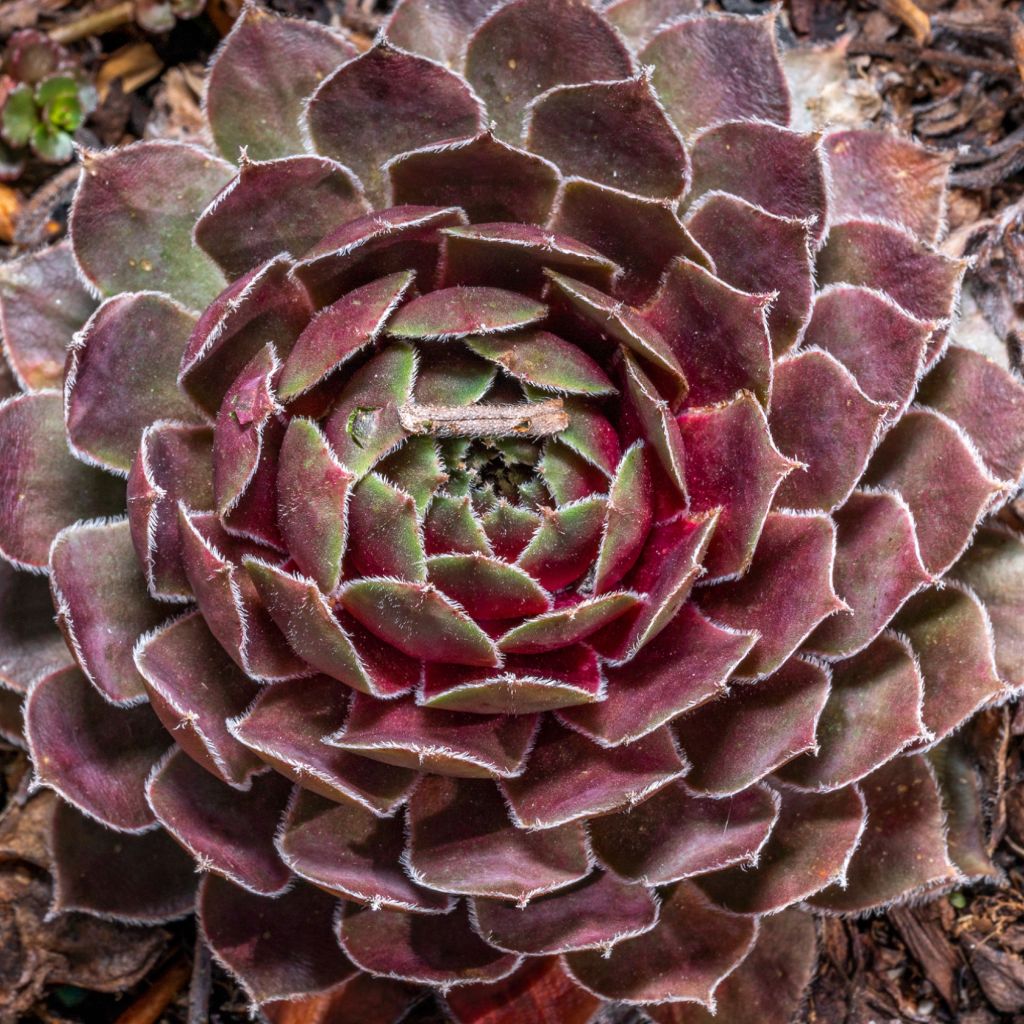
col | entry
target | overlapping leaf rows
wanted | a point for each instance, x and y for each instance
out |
(514, 518)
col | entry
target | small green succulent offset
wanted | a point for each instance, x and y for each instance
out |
(44, 100)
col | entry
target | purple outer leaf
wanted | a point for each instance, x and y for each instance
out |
(598, 912)
(122, 374)
(31, 646)
(699, 80)
(615, 133)
(276, 206)
(194, 687)
(809, 847)
(569, 777)
(384, 102)
(228, 832)
(689, 661)
(103, 605)
(142, 879)
(436, 28)
(904, 849)
(742, 736)
(878, 174)
(461, 841)
(287, 725)
(279, 948)
(764, 599)
(34, 329)
(132, 233)
(95, 755)
(43, 487)
(677, 833)
(260, 78)
(489, 179)
(684, 957)
(528, 46)
(421, 948)
(770, 166)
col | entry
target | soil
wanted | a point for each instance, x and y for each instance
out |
(952, 74)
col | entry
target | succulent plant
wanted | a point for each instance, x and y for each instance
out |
(44, 100)
(514, 512)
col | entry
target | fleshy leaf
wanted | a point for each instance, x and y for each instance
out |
(144, 878)
(43, 487)
(685, 956)
(903, 851)
(566, 624)
(386, 538)
(764, 599)
(742, 736)
(926, 460)
(259, 81)
(689, 661)
(346, 850)
(130, 232)
(984, 399)
(718, 334)
(770, 166)
(877, 255)
(265, 307)
(276, 206)
(421, 948)
(762, 253)
(677, 833)
(489, 179)
(449, 743)
(638, 20)
(569, 777)
(286, 726)
(809, 847)
(95, 755)
(993, 567)
(31, 646)
(364, 425)
(123, 374)
(820, 417)
(312, 494)
(36, 331)
(873, 712)
(768, 987)
(598, 912)
(733, 464)
(174, 463)
(492, 588)
(540, 358)
(436, 28)
(615, 133)
(194, 687)
(463, 311)
(878, 174)
(524, 683)
(528, 46)
(461, 841)
(950, 634)
(880, 344)
(384, 102)
(450, 526)
(700, 81)
(496, 254)
(610, 221)
(878, 566)
(102, 604)
(228, 832)
(627, 520)
(340, 331)
(565, 544)
(418, 620)
(281, 947)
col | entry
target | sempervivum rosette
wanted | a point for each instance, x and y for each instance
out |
(550, 557)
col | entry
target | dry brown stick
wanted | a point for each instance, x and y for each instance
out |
(523, 419)
(95, 24)
(946, 58)
(148, 1008)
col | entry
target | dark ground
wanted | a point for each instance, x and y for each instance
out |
(952, 75)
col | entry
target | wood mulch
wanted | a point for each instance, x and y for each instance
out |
(951, 74)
